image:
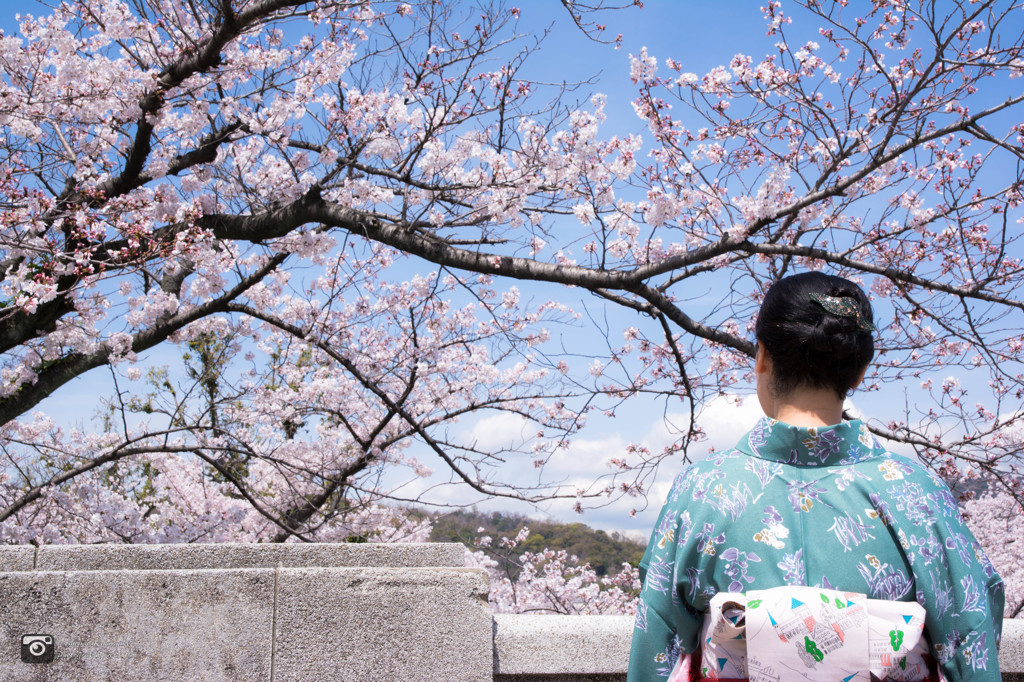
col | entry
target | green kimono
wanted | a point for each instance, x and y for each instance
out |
(825, 507)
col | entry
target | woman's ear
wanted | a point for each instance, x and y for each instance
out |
(860, 378)
(763, 379)
(762, 361)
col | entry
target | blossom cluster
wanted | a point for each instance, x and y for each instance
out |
(552, 581)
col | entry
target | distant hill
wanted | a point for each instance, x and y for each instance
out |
(969, 488)
(603, 551)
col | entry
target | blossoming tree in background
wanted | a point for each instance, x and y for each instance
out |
(999, 526)
(334, 208)
(552, 581)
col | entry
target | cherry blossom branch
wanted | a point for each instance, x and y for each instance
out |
(72, 365)
(390, 403)
(893, 273)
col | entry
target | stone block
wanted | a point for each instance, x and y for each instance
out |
(140, 625)
(363, 625)
(528, 645)
(1011, 648)
(17, 557)
(244, 555)
(613, 677)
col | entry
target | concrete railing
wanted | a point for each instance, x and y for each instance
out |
(294, 612)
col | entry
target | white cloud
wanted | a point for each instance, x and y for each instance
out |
(724, 420)
(499, 431)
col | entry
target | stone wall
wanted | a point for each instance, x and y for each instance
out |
(295, 612)
(245, 612)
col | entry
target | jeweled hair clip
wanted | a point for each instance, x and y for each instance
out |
(844, 306)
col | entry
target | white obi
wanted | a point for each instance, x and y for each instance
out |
(809, 633)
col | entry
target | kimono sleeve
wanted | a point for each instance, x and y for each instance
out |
(963, 598)
(665, 627)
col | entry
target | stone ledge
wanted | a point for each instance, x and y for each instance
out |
(526, 645)
(289, 612)
(567, 677)
(383, 624)
(596, 648)
(140, 625)
(17, 558)
(1011, 649)
(111, 557)
(265, 625)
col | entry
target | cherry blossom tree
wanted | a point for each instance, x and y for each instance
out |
(552, 581)
(359, 218)
(998, 524)
(166, 126)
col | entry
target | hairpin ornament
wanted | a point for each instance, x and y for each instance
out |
(844, 306)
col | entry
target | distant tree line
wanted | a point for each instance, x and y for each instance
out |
(605, 552)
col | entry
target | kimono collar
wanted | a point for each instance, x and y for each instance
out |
(843, 443)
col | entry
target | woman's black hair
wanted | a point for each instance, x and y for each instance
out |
(808, 345)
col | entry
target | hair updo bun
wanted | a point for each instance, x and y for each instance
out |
(817, 331)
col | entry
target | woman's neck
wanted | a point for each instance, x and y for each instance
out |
(808, 407)
(801, 406)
